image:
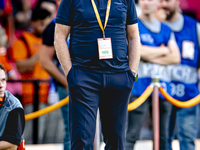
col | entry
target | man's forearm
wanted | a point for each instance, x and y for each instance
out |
(164, 61)
(134, 46)
(134, 53)
(7, 146)
(148, 52)
(171, 58)
(62, 48)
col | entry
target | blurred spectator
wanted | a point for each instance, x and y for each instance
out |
(184, 84)
(6, 20)
(50, 63)
(158, 49)
(25, 52)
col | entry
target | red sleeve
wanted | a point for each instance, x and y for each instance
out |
(8, 7)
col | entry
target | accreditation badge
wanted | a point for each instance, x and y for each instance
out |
(105, 48)
(188, 50)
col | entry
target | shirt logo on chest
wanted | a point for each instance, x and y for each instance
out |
(147, 38)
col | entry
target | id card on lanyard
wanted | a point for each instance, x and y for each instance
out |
(104, 44)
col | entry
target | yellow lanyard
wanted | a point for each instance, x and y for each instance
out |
(98, 17)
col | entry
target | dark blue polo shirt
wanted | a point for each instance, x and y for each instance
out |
(85, 31)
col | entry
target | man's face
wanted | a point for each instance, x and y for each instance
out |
(170, 7)
(40, 25)
(2, 82)
(148, 6)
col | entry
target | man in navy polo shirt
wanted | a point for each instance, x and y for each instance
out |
(99, 65)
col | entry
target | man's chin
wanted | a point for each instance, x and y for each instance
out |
(1, 94)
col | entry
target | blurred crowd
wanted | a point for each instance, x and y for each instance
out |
(19, 20)
(22, 23)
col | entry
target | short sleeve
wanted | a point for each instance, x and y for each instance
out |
(19, 50)
(131, 13)
(48, 35)
(14, 127)
(64, 14)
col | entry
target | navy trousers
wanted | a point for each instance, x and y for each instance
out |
(87, 92)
